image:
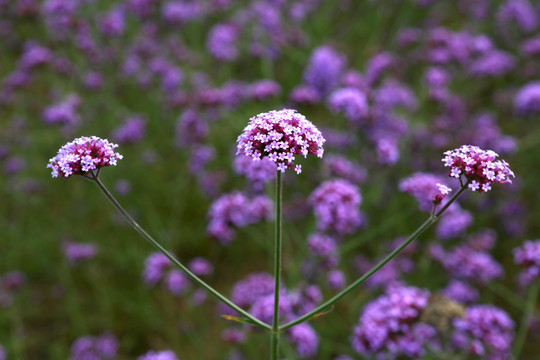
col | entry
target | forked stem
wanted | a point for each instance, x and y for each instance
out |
(171, 257)
(432, 219)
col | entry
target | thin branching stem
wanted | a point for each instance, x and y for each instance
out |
(172, 258)
(431, 220)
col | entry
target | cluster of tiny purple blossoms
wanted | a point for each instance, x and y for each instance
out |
(280, 135)
(399, 324)
(336, 206)
(103, 347)
(528, 257)
(480, 167)
(236, 210)
(255, 293)
(158, 268)
(83, 155)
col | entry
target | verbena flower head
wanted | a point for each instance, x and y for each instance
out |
(390, 325)
(158, 355)
(486, 331)
(480, 167)
(279, 135)
(82, 156)
(528, 256)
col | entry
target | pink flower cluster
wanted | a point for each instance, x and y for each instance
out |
(83, 155)
(279, 135)
(480, 167)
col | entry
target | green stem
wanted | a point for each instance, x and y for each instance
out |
(277, 270)
(432, 219)
(177, 263)
(524, 326)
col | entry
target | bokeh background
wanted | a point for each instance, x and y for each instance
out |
(391, 85)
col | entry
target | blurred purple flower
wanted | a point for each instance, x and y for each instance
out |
(77, 253)
(222, 42)
(528, 257)
(351, 102)
(486, 331)
(323, 70)
(64, 112)
(100, 347)
(389, 326)
(305, 339)
(461, 291)
(132, 130)
(520, 12)
(527, 100)
(158, 355)
(236, 210)
(336, 206)
(466, 263)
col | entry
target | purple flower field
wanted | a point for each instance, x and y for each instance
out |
(370, 116)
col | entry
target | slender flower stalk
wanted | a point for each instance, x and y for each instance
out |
(277, 271)
(177, 263)
(524, 326)
(430, 221)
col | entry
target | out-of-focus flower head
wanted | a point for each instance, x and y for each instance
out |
(527, 100)
(158, 355)
(351, 102)
(485, 331)
(132, 130)
(279, 135)
(336, 206)
(83, 155)
(103, 347)
(466, 263)
(76, 253)
(480, 167)
(528, 256)
(324, 69)
(236, 210)
(390, 325)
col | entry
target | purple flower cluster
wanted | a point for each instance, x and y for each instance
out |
(389, 326)
(158, 268)
(336, 206)
(255, 293)
(527, 100)
(461, 291)
(158, 355)
(132, 130)
(528, 257)
(236, 210)
(480, 167)
(76, 253)
(279, 136)
(100, 347)
(222, 40)
(426, 188)
(83, 155)
(325, 248)
(351, 102)
(64, 112)
(323, 70)
(466, 263)
(258, 172)
(485, 331)
(339, 166)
